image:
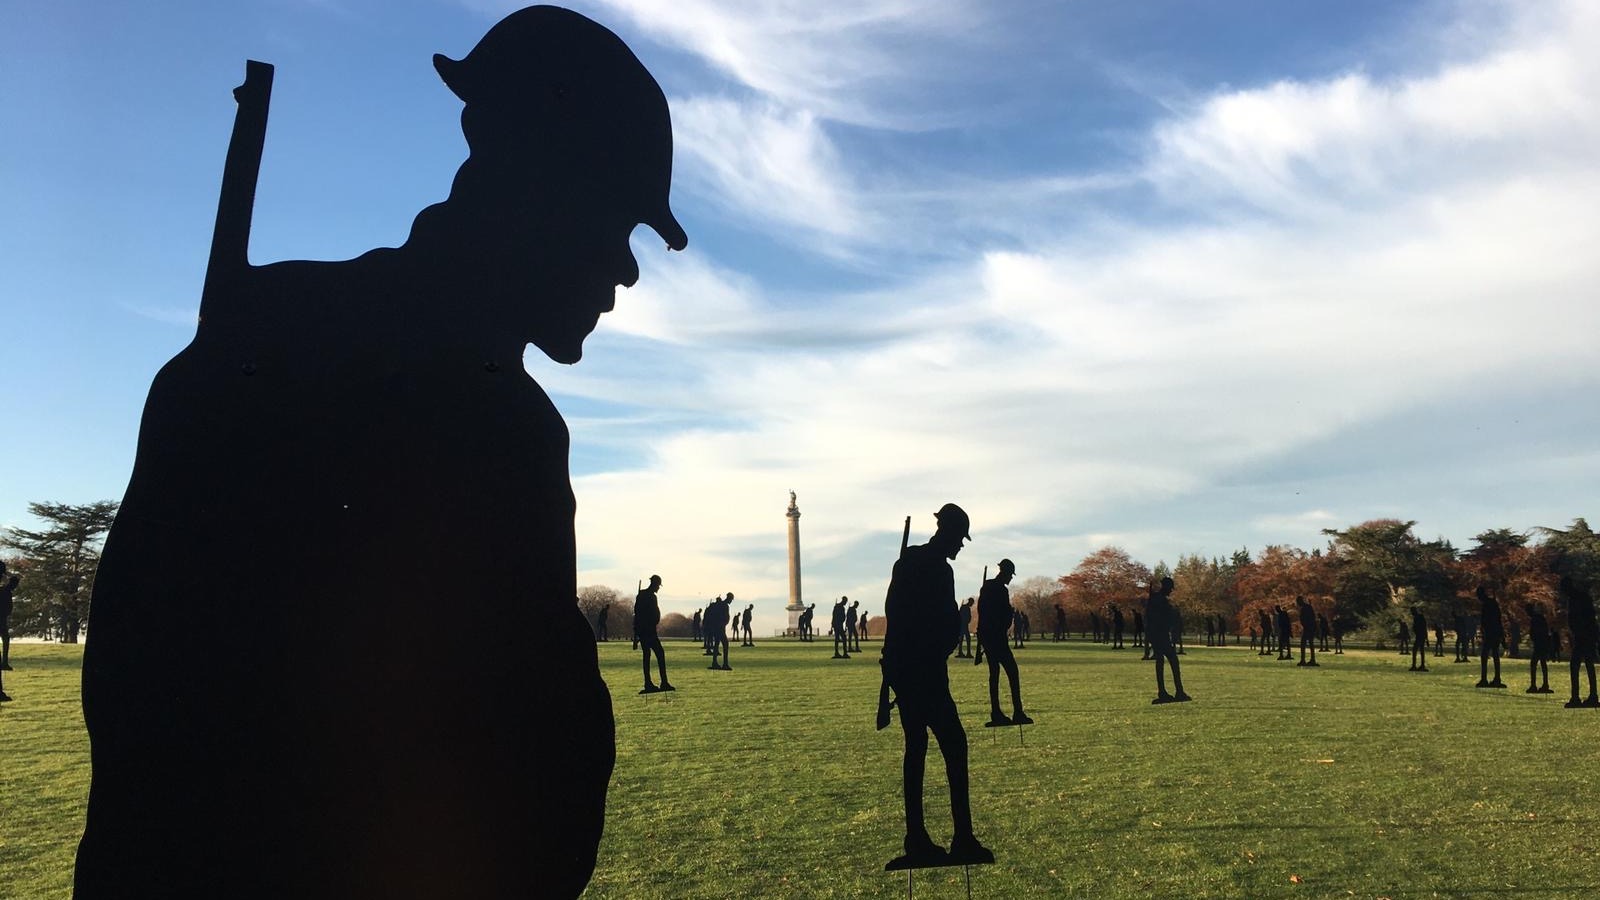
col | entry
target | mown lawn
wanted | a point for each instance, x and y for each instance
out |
(1354, 779)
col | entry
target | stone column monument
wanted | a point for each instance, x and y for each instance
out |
(795, 607)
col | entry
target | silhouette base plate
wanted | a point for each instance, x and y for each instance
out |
(908, 862)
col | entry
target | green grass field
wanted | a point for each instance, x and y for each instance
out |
(1355, 779)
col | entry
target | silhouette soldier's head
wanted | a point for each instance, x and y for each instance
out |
(1005, 571)
(570, 148)
(952, 530)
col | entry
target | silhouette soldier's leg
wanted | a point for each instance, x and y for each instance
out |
(1483, 669)
(1572, 670)
(1161, 653)
(1009, 663)
(911, 772)
(648, 685)
(1533, 674)
(1544, 669)
(661, 661)
(952, 738)
(1177, 679)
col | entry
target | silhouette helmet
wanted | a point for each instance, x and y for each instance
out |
(954, 518)
(550, 78)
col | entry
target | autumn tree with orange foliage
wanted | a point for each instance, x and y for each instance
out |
(1108, 575)
(1280, 574)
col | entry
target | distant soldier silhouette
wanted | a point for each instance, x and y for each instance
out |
(1254, 632)
(1061, 622)
(850, 626)
(1405, 639)
(994, 611)
(1462, 631)
(923, 628)
(841, 641)
(1211, 632)
(1585, 637)
(1285, 633)
(1138, 631)
(1159, 618)
(1266, 632)
(1338, 635)
(646, 619)
(1324, 631)
(1494, 637)
(861, 629)
(8, 592)
(1116, 626)
(1513, 635)
(1419, 650)
(602, 623)
(716, 621)
(709, 616)
(1308, 630)
(808, 620)
(1018, 624)
(328, 419)
(695, 631)
(744, 623)
(1438, 638)
(1539, 662)
(964, 649)
(1094, 623)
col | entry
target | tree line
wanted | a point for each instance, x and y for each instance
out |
(1366, 576)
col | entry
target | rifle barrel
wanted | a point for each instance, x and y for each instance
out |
(230, 238)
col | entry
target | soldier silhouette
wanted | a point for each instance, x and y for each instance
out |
(1138, 631)
(861, 629)
(1438, 638)
(1462, 630)
(602, 622)
(1211, 632)
(744, 624)
(1116, 627)
(1265, 623)
(1094, 624)
(328, 419)
(841, 641)
(8, 593)
(1061, 622)
(850, 626)
(1419, 650)
(964, 649)
(808, 628)
(1539, 662)
(1159, 617)
(1019, 624)
(994, 611)
(1308, 630)
(1494, 637)
(718, 618)
(695, 631)
(1585, 637)
(1324, 631)
(923, 628)
(646, 619)
(1285, 633)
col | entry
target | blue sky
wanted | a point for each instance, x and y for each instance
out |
(1182, 277)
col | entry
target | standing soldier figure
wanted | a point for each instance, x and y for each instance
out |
(1116, 627)
(1585, 637)
(923, 628)
(994, 611)
(841, 643)
(1539, 634)
(1419, 648)
(1308, 631)
(646, 618)
(1494, 637)
(1159, 618)
(601, 621)
(964, 648)
(850, 626)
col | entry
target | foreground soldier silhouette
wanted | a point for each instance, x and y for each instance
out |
(328, 419)
(1538, 664)
(8, 594)
(923, 628)
(994, 611)
(1160, 617)
(646, 619)
(1494, 637)
(1585, 637)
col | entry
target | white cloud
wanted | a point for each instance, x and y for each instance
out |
(772, 168)
(1338, 252)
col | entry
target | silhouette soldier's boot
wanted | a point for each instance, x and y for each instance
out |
(966, 850)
